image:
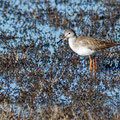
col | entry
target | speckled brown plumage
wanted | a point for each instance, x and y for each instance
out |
(94, 44)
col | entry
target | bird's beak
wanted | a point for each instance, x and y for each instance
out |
(61, 39)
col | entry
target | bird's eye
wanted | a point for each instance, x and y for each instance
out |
(68, 33)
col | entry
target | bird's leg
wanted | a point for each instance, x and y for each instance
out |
(90, 64)
(93, 66)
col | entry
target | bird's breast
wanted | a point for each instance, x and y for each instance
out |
(79, 49)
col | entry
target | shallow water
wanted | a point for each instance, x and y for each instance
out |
(43, 80)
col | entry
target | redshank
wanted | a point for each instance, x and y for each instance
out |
(86, 46)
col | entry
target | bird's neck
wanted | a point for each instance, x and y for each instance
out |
(72, 41)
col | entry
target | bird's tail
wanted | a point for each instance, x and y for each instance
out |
(111, 44)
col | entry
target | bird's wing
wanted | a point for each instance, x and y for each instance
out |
(94, 44)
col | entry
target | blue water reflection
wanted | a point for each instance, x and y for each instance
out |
(37, 73)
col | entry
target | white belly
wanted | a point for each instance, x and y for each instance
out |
(80, 50)
(83, 51)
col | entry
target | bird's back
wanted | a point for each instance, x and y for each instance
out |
(93, 43)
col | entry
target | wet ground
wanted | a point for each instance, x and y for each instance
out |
(40, 79)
